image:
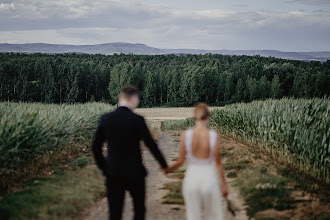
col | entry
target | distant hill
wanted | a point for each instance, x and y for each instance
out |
(109, 48)
(126, 48)
(308, 56)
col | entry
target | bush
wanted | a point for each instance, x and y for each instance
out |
(82, 161)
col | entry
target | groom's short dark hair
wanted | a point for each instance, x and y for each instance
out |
(129, 91)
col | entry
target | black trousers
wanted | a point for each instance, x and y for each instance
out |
(116, 188)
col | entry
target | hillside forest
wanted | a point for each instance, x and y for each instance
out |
(164, 80)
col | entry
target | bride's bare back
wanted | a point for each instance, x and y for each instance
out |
(200, 145)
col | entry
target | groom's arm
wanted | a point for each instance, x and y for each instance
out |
(151, 144)
(97, 146)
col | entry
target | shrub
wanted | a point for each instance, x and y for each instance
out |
(82, 161)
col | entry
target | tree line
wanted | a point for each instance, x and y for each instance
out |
(164, 80)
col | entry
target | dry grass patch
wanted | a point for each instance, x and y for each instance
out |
(175, 193)
(174, 196)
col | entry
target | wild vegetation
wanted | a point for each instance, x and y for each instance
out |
(270, 187)
(33, 134)
(65, 194)
(295, 130)
(167, 80)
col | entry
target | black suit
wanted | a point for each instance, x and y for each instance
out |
(123, 130)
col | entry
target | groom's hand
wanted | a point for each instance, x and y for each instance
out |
(165, 171)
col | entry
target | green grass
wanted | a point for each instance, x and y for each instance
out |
(236, 165)
(262, 190)
(82, 161)
(232, 175)
(305, 183)
(61, 196)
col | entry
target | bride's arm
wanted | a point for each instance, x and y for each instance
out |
(182, 155)
(220, 168)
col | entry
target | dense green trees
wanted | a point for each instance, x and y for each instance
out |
(163, 79)
(275, 89)
(120, 75)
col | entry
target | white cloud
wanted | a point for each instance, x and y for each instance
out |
(7, 6)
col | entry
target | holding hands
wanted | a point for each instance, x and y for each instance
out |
(224, 191)
(164, 170)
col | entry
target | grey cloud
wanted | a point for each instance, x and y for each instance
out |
(44, 15)
(240, 5)
(85, 21)
(321, 11)
(312, 2)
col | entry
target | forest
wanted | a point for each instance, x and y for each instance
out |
(164, 80)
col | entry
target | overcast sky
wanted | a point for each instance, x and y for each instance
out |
(287, 25)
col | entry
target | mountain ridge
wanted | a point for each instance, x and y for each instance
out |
(143, 49)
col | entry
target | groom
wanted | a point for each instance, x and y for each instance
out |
(123, 130)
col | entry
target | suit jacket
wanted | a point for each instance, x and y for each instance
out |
(123, 130)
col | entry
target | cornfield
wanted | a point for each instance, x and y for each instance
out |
(32, 134)
(296, 130)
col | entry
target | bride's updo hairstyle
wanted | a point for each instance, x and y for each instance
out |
(201, 112)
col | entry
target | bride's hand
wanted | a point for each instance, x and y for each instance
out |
(224, 191)
(165, 171)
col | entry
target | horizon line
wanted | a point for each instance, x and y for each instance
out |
(118, 42)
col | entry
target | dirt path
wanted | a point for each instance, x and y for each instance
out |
(169, 145)
(237, 157)
(155, 192)
(168, 113)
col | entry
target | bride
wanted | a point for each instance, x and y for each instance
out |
(201, 188)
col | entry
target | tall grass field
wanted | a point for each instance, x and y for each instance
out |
(33, 134)
(295, 130)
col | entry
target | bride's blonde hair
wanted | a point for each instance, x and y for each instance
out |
(201, 112)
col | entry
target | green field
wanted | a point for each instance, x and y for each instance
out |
(294, 130)
(40, 138)
(32, 135)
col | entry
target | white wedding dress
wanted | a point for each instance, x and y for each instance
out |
(201, 187)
